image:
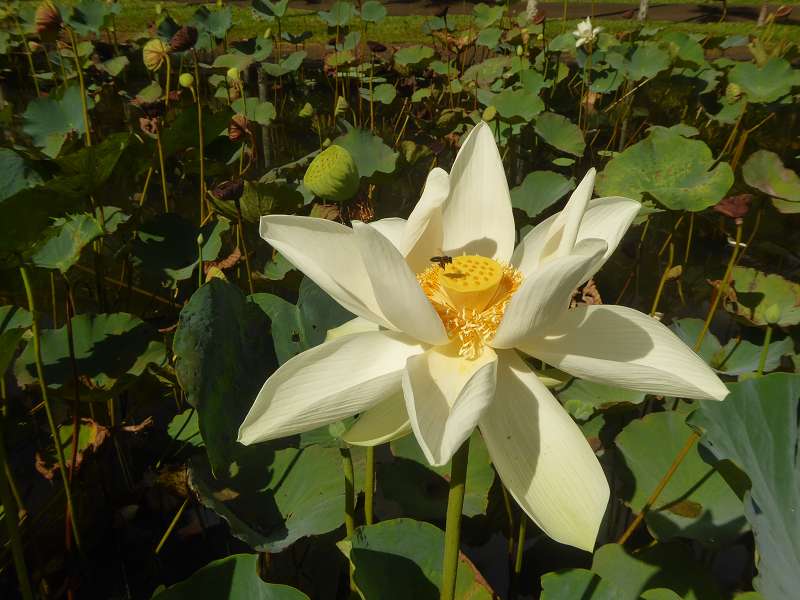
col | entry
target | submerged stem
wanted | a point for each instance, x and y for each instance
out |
(452, 531)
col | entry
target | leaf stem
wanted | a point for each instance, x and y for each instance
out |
(452, 530)
(523, 528)
(349, 491)
(82, 84)
(28, 54)
(161, 168)
(369, 486)
(37, 352)
(171, 526)
(663, 280)
(200, 135)
(762, 360)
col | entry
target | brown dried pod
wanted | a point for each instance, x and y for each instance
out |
(229, 190)
(149, 126)
(539, 17)
(184, 39)
(238, 128)
(376, 47)
(48, 18)
(783, 11)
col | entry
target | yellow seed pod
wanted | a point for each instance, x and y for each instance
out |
(333, 175)
(471, 281)
(773, 314)
(153, 54)
(186, 80)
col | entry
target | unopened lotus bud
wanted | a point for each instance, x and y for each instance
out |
(341, 106)
(773, 314)
(520, 50)
(200, 239)
(238, 127)
(229, 190)
(232, 74)
(184, 39)
(153, 54)
(48, 18)
(268, 33)
(306, 112)
(333, 175)
(186, 80)
(489, 113)
(733, 92)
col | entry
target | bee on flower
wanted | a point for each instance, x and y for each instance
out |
(585, 34)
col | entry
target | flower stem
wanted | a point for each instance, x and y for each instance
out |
(201, 141)
(171, 526)
(452, 530)
(663, 280)
(369, 486)
(84, 106)
(37, 351)
(523, 528)
(349, 491)
(762, 360)
(161, 168)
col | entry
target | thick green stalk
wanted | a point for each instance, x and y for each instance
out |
(452, 530)
(37, 352)
(523, 528)
(349, 491)
(82, 84)
(171, 526)
(161, 168)
(201, 141)
(29, 55)
(762, 360)
(369, 486)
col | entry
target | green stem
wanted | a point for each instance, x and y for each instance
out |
(762, 360)
(452, 531)
(29, 55)
(82, 84)
(201, 141)
(509, 516)
(369, 486)
(12, 523)
(349, 491)
(523, 528)
(171, 526)
(162, 168)
(37, 351)
(663, 280)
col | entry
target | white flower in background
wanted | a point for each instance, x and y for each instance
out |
(585, 34)
(438, 347)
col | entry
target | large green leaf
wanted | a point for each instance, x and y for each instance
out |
(697, 503)
(515, 103)
(368, 151)
(561, 133)
(767, 83)
(95, 164)
(662, 566)
(676, 171)
(222, 358)
(182, 132)
(230, 578)
(339, 15)
(111, 351)
(756, 427)
(272, 495)
(402, 559)
(427, 497)
(582, 398)
(413, 55)
(16, 173)
(763, 298)
(577, 583)
(50, 120)
(539, 191)
(298, 327)
(14, 322)
(764, 171)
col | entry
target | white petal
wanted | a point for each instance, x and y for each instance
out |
(423, 235)
(393, 229)
(543, 458)
(382, 423)
(605, 218)
(357, 325)
(397, 290)
(477, 217)
(445, 396)
(327, 253)
(620, 346)
(564, 230)
(328, 383)
(546, 293)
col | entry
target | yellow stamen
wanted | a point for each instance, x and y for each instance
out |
(470, 295)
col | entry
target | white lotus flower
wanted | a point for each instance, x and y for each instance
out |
(437, 351)
(585, 33)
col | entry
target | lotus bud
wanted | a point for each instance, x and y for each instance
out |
(200, 239)
(48, 18)
(229, 190)
(238, 127)
(232, 74)
(773, 314)
(268, 33)
(333, 175)
(520, 50)
(733, 92)
(153, 54)
(186, 80)
(184, 39)
(489, 113)
(306, 112)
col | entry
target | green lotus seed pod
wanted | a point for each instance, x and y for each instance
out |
(332, 175)
(773, 314)
(186, 80)
(307, 111)
(732, 92)
(233, 74)
(489, 113)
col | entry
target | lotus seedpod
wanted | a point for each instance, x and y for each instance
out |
(48, 18)
(333, 175)
(773, 314)
(238, 127)
(183, 39)
(229, 190)
(186, 80)
(153, 54)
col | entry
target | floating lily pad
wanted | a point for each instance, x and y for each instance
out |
(756, 428)
(230, 578)
(111, 351)
(561, 133)
(762, 299)
(767, 83)
(539, 191)
(764, 171)
(676, 171)
(697, 503)
(402, 558)
(369, 152)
